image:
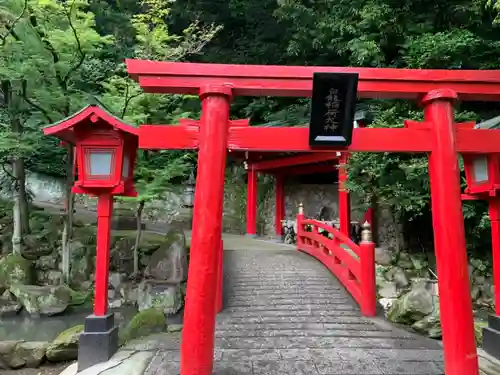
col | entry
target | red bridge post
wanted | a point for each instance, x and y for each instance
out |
(367, 276)
(459, 344)
(199, 317)
(300, 218)
(252, 202)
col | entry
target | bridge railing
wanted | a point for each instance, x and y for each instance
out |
(352, 264)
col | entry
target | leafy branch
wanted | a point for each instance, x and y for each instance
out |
(10, 28)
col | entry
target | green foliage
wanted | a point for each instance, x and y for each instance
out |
(91, 38)
(143, 324)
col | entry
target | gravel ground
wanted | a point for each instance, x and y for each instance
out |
(44, 370)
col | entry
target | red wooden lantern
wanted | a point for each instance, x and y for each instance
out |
(482, 172)
(105, 153)
(106, 150)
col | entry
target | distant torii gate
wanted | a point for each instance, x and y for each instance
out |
(214, 134)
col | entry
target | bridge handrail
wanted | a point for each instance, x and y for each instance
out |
(352, 264)
(336, 233)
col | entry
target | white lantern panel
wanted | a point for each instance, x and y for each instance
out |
(480, 166)
(126, 166)
(101, 163)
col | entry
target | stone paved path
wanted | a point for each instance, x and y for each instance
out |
(284, 313)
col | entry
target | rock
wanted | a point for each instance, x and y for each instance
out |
(400, 278)
(430, 325)
(404, 261)
(116, 278)
(81, 263)
(115, 304)
(86, 285)
(480, 280)
(65, 346)
(42, 300)
(174, 328)
(51, 277)
(413, 306)
(14, 269)
(111, 293)
(160, 295)
(169, 263)
(122, 255)
(391, 272)
(33, 353)
(47, 262)
(128, 292)
(145, 323)
(9, 358)
(9, 308)
(475, 292)
(383, 256)
(386, 303)
(389, 290)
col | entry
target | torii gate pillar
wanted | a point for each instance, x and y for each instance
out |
(449, 236)
(199, 317)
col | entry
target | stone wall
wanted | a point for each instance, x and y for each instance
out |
(316, 197)
(313, 196)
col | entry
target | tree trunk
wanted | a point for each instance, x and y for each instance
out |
(23, 196)
(68, 217)
(138, 215)
(17, 229)
(20, 209)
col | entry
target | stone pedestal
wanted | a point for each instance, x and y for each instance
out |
(491, 337)
(99, 341)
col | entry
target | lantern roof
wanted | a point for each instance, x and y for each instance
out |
(64, 129)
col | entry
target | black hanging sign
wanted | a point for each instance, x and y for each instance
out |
(332, 109)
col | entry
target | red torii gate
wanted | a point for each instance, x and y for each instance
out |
(438, 135)
(285, 166)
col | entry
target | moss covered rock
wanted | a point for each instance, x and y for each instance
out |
(42, 300)
(478, 330)
(14, 269)
(411, 307)
(169, 263)
(65, 346)
(32, 353)
(145, 323)
(160, 295)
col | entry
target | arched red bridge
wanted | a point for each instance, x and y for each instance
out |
(286, 313)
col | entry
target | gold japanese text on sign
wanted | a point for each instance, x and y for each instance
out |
(332, 104)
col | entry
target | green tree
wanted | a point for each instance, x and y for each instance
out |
(46, 46)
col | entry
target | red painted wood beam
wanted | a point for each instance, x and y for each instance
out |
(344, 198)
(469, 197)
(297, 139)
(304, 169)
(363, 140)
(160, 137)
(252, 192)
(266, 165)
(272, 80)
(280, 205)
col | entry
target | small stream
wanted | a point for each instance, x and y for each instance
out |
(28, 328)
